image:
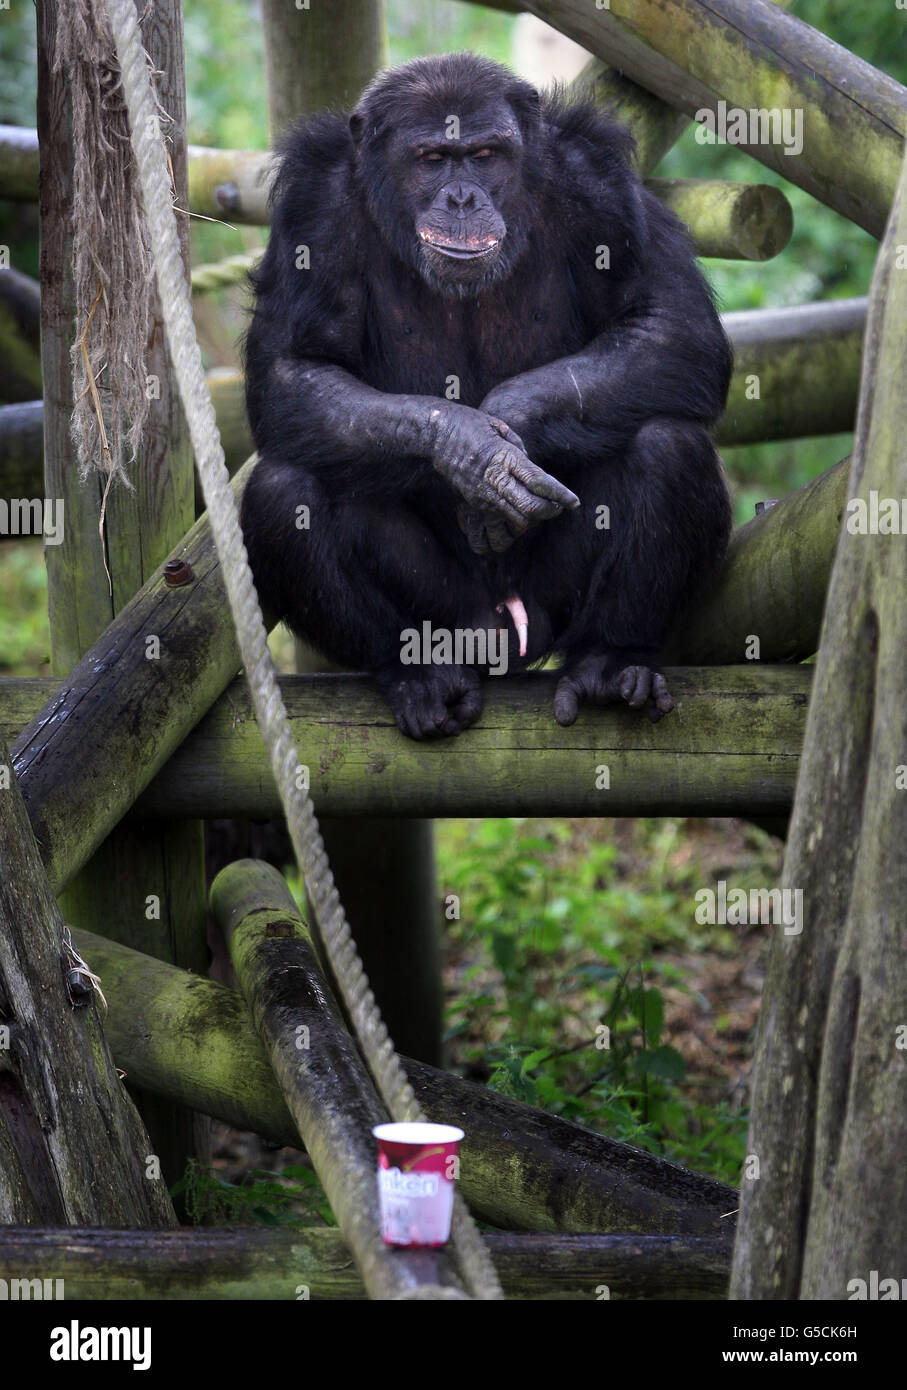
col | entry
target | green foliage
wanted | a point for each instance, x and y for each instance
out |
(291, 1198)
(24, 627)
(18, 65)
(564, 966)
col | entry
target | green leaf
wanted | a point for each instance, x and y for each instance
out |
(664, 1062)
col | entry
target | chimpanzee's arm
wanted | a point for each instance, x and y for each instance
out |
(342, 429)
(663, 353)
(376, 443)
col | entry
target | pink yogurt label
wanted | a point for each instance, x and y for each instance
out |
(417, 1166)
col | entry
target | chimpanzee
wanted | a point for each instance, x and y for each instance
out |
(480, 372)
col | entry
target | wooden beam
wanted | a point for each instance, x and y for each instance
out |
(785, 363)
(737, 221)
(247, 1264)
(773, 583)
(156, 669)
(796, 371)
(733, 749)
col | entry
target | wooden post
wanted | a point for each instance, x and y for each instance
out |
(824, 1200)
(146, 882)
(72, 1148)
(384, 870)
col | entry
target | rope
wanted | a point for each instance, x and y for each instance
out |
(176, 305)
(219, 275)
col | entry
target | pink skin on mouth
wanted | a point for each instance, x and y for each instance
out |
(520, 617)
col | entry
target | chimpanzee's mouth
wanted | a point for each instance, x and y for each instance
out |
(458, 252)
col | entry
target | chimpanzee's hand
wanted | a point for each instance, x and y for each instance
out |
(484, 460)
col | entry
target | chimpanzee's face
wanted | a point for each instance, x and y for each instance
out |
(447, 193)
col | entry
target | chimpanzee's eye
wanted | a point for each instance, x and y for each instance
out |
(483, 154)
(431, 155)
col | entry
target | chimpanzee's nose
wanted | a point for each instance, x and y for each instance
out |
(460, 199)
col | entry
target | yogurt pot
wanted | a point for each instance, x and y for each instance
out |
(417, 1166)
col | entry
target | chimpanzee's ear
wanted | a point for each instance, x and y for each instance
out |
(524, 99)
(357, 124)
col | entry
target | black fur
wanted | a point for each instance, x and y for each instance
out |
(608, 379)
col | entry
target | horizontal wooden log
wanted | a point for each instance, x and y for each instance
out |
(733, 221)
(774, 581)
(20, 352)
(19, 163)
(126, 706)
(804, 363)
(211, 1263)
(731, 748)
(232, 184)
(21, 450)
(751, 55)
(193, 1040)
(325, 1085)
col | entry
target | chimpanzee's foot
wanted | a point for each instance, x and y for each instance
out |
(432, 701)
(605, 680)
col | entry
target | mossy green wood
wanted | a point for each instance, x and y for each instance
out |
(736, 221)
(318, 1069)
(829, 1108)
(750, 54)
(656, 126)
(731, 746)
(796, 371)
(72, 1148)
(18, 163)
(117, 717)
(314, 1263)
(773, 583)
(194, 1040)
